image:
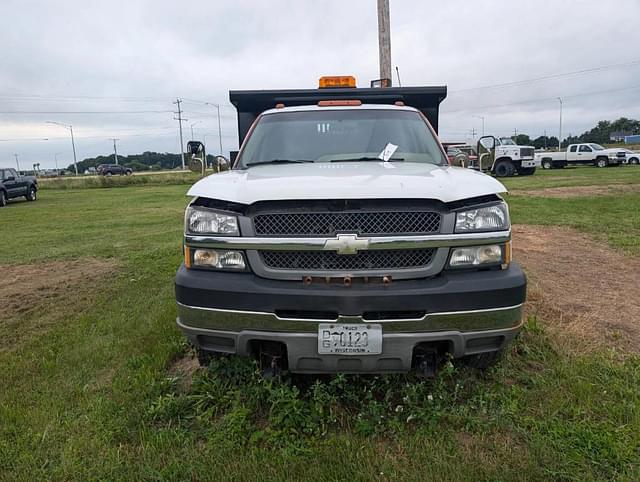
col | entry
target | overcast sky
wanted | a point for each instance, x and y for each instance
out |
(137, 57)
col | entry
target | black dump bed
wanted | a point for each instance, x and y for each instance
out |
(251, 103)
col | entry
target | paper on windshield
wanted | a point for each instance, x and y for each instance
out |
(387, 152)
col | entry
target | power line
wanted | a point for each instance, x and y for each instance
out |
(86, 112)
(542, 99)
(633, 63)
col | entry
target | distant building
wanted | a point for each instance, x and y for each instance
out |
(618, 136)
(634, 139)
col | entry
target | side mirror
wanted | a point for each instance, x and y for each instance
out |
(488, 142)
(222, 164)
(198, 156)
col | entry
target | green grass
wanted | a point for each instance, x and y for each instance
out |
(575, 176)
(151, 179)
(90, 395)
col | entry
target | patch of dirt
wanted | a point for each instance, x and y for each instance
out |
(26, 287)
(583, 287)
(578, 191)
(183, 370)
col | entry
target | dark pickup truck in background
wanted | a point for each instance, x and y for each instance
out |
(13, 185)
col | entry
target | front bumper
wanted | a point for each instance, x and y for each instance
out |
(469, 311)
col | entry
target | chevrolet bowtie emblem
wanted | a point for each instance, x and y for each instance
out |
(346, 244)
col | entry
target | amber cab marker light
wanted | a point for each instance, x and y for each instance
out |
(507, 255)
(331, 103)
(329, 82)
(187, 257)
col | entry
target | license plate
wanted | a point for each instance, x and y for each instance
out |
(357, 339)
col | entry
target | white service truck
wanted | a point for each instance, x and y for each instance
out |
(502, 157)
(341, 240)
(587, 153)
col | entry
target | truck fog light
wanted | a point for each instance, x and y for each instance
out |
(218, 259)
(493, 254)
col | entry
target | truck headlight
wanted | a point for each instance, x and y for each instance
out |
(216, 259)
(480, 256)
(200, 220)
(490, 218)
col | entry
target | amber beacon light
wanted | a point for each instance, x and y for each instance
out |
(330, 82)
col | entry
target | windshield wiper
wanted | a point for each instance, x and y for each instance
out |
(356, 159)
(279, 161)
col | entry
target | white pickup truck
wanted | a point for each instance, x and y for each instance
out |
(341, 240)
(587, 153)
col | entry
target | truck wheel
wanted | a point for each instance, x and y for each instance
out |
(3, 199)
(633, 160)
(601, 162)
(482, 361)
(504, 169)
(526, 171)
(129, 173)
(32, 195)
(109, 174)
(547, 164)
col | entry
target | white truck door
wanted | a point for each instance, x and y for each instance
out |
(572, 153)
(585, 153)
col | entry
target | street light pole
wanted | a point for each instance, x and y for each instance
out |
(194, 124)
(480, 117)
(73, 144)
(55, 156)
(17, 163)
(560, 135)
(217, 106)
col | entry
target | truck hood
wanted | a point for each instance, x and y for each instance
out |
(349, 180)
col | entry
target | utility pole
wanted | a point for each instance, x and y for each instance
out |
(73, 144)
(384, 40)
(515, 132)
(17, 163)
(545, 139)
(473, 132)
(180, 121)
(560, 135)
(115, 149)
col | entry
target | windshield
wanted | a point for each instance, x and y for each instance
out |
(506, 141)
(341, 135)
(597, 147)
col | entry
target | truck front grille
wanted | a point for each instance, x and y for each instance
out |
(526, 152)
(379, 223)
(362, 261)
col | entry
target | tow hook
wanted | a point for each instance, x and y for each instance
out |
(271, 360)
(426, 362)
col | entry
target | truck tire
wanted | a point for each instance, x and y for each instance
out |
(3, 199)
(634, 160)
(526, 171)
(602, 162)
(504, 169)
(129, 173)
(482, 361)
(108, 173)
(547, 164)
(32, 195)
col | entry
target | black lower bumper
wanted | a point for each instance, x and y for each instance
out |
(448, 292)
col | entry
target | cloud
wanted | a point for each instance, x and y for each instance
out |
(139, 56)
